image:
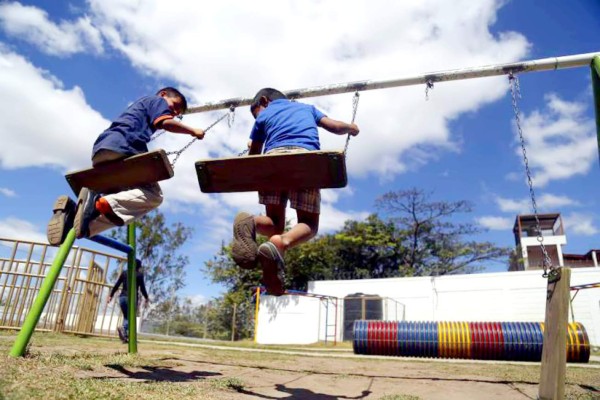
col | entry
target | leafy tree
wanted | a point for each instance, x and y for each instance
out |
(361, 249)
(436, 245)
(516, 262)
(158, 248)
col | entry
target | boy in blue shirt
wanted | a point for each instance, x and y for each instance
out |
(281, 126)
(126, 136)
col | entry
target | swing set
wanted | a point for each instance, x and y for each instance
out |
(321, 169)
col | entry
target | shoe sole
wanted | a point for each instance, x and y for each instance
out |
(55, 230)
(244, 247)
(79, 214)
(273, 274)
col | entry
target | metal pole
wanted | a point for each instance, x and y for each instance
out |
(233, 322)
(256, 314)
(544, 64)
(132, 290)
(38, 305)
(112, 243)
(595, 64)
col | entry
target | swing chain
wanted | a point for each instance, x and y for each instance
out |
(355, 100)
(230, 115)
(428, 88)
(515, 91)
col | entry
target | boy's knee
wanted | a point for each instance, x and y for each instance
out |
(154, 199)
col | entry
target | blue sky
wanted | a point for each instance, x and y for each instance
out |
(68, 68)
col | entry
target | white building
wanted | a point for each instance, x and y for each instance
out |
(515, 296)
(500, 297)
(553, 236)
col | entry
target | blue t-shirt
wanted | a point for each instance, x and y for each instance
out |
(129, 133)
(287, 123)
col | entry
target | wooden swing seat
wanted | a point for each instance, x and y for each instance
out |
(112, 176)
(273, 172)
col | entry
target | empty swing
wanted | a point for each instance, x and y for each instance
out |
(276, 172)
(140, 169)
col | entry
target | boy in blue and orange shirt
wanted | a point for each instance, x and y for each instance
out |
(126, 136)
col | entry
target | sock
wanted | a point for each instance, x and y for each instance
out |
(105, 209)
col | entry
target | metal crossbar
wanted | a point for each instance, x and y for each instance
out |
(544, 64)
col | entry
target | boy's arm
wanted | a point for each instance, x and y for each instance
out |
(338, 127)
(116, 287)
(142, 285)
(177, 127)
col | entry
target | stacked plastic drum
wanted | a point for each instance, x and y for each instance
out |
(517, 341)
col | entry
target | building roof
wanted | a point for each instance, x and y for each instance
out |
(547, 221)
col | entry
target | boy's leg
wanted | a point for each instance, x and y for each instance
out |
(306, 229)
(244, 249)
(96, 214)
(274, 222)
(271, 254)
(124, 330)
(307, 203)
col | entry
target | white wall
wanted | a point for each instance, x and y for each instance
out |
(505, 296)
(288, 319)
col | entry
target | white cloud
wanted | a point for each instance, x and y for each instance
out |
(580, 224)
(33, 25)
(555, 136)
(248, 55)
(7, 192)
(546, 203)
(42, 123)
(14, 228)
(283, 45)
(496, 223)
(435, 35)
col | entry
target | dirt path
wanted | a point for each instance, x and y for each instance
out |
(277, 375)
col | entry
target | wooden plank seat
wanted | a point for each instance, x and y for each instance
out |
(113, 176)
(314, 169)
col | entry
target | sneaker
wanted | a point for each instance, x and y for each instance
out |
(86, 212)
(273, 267)
(62, 220)
(122, 336)
(244, 247)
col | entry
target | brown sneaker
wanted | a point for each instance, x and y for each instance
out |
(62, 220)
(244, 247)
(273, 268)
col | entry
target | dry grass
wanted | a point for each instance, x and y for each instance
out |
(69, 367)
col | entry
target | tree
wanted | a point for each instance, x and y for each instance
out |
(157, 247)
(361, 249)
(436, 245)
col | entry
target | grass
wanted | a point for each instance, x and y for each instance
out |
(61, 366)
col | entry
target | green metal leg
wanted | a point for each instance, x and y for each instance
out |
(132, 290)
(37, 308)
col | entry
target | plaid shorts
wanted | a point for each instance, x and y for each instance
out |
(307, 200)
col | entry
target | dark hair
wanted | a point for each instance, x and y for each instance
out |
(172, 92)
(138, 263)
(269, 93)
